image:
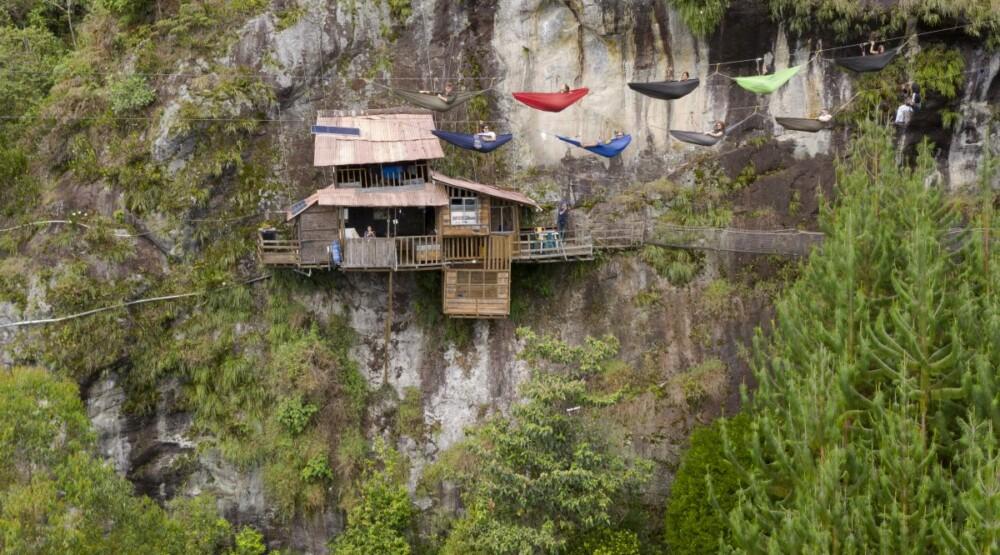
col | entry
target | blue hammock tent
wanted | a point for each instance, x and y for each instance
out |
(608, 150)
(472, 142)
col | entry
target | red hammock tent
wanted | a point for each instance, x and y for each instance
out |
(551, 102)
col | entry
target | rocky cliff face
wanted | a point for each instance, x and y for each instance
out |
(685, 342)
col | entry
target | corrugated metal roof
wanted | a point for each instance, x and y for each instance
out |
(428, 194)
(385, 137)
(491, 190)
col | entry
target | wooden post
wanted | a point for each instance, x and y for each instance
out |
(388, 332)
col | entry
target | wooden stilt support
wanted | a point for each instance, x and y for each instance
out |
(388, 331)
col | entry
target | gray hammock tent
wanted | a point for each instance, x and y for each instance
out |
(704, 139)
(871, 62)
(432, 101)
(812, 125)
(809, 125)
(665, 90)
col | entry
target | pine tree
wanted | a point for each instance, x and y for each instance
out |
(874, 420)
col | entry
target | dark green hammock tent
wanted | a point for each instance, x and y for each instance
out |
(767, 84)
(432, 101)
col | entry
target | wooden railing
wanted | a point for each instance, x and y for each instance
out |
(617, 237)
(392, 253)
(278, 252)
(550, 244)
(408, 174)
(369, 253)
(464, 249)
(418, 251)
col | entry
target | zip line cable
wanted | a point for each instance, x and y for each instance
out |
(280, 120)
(118, 306)
(458, 79)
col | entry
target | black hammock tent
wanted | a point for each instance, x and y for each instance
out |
(665, 90)
(871, 62)
(809, 125)
(704, 139)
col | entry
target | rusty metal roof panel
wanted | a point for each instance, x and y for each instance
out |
(383, 138)
(491, 190)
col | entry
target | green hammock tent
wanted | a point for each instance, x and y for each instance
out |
(432, 101)
(767, 84)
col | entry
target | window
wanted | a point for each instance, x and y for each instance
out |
(502, 218)
(464, 207)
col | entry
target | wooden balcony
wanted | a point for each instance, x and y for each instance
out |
(549, 245)
(392, 253)
(278, 252)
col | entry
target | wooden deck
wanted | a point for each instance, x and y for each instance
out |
(493, 252)
(549, 245)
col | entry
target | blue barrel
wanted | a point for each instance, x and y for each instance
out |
(335, 254)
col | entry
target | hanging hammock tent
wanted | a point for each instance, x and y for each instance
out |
(692, 137)
(469, 142)
(665, 90)
(431, 101)
(871, 62)
(767, 84)
(607, 150)
(550, 102)
(704, 139)
(812, 125)
(809, 125)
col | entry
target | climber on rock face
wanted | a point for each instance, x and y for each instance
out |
(903, 114)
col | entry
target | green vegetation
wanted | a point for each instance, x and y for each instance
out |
(547, 476)
(410, 418)
(56, 497)
(704, 490)
(875, 421)
(701, 16)
(678, 266)
(130, 94)
(382, 519)
(853, 19)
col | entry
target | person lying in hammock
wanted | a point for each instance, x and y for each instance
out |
(616, 135)
(718, 130)
(872, 46)
(485, 133)
(447, 95)
(685, 76)
(564, 89)
(824, 116)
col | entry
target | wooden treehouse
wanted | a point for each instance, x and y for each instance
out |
(388, 210)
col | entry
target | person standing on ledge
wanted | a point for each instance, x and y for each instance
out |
(562, 217)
